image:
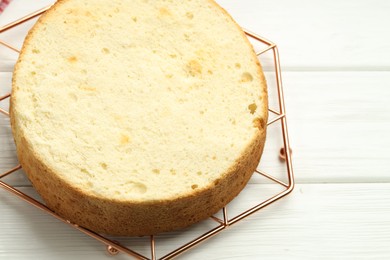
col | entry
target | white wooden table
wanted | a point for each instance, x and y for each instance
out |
(336, 72)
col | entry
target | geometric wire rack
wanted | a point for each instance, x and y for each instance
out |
(223, 221)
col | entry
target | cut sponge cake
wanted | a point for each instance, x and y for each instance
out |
(134, 117)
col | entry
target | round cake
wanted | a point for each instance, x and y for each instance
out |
(134, 117)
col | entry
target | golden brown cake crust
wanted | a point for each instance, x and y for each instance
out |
(134, 218)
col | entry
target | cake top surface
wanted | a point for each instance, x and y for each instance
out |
(136, 99)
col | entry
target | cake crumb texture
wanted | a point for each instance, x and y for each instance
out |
(138, 117)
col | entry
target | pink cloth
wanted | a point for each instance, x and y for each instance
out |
(3, 4)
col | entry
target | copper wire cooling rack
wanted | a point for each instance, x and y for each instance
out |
(223, 222)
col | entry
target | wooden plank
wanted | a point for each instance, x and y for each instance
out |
(311, 35)
(317, 221)
(321, 35)
(338, 123)
(22, 8)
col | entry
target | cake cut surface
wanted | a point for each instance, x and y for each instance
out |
(136, 117)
